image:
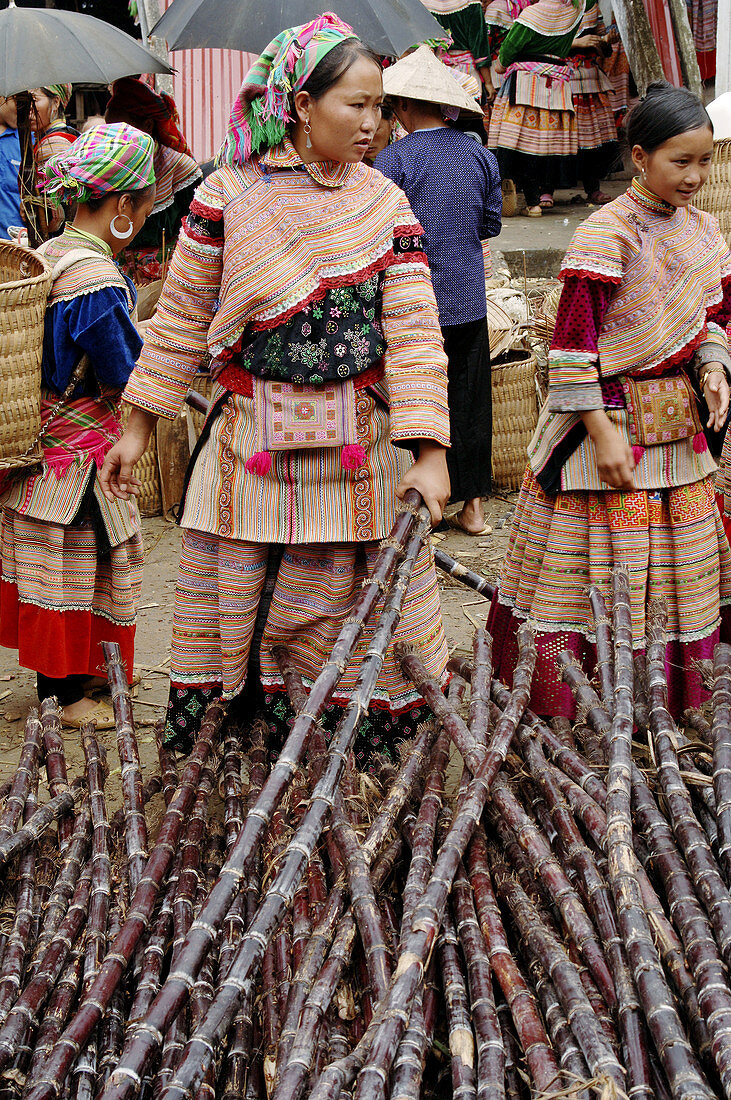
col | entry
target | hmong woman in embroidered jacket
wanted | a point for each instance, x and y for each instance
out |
(302, 271)
(71, 560)
(532, 126)
(177, 174)
(592, 91)
(619, 470)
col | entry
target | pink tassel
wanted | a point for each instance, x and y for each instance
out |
(260, 463)
(637, 453)
(700, 443)
(352, 456)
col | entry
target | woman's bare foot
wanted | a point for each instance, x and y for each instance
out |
(471, 518)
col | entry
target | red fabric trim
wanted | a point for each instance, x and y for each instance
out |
(414, 230)
(238, 380)
(410, 257)
(202, 238)
(582, 273)
(211, 212)
(59, 643)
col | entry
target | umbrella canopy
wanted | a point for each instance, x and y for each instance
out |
(388, 26)
(42, 46)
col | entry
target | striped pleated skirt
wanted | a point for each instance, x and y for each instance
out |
(673, 544)
(60, 598)
(219, 587)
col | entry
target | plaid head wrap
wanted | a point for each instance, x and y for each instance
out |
(137, 100)
(106, 159)
(260, 113)
(63, 91)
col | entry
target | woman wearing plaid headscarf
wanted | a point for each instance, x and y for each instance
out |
(71, 560)
(302, 271)
(176, 173)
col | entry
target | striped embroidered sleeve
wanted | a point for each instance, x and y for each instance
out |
(573, 361)
(416, 366)
(176, 341)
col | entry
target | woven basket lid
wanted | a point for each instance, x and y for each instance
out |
(500, 327)
(421, 75)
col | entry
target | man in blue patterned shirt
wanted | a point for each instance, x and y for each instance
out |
(453, 185)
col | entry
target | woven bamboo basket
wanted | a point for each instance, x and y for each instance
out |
(25, 281)
(715, 195)
(514, 416)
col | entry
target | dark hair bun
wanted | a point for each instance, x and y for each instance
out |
(663, 113)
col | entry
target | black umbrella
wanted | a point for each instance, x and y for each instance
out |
(389, 26)
(42, 46)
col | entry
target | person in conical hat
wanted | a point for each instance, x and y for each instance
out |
(302, 272)
(453, 185)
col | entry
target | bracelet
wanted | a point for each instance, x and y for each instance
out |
(707, 374)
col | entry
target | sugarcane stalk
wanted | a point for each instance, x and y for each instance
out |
(204, 989)
(73, 860)
(427, 917)
(594, 820)
(480, 686)
(537, 938)
(34, 828)
(721, 732)
(572, 1061)
(696, 721)
(459, 1023)
(145, 1039)
(514, 1083)
(111, 1029)
(579, 856)
(56, 763)
(59, 1009)
(19, 947)
(490, 1052)
(710, 887)
(415, 670)
(539, 1054)
(546, 867)
(408, 1066)
(293, 1072)
(135, 824)
(468, 577)
(660, 1012)
(56, 1068)
(365, 907)
(604, 655)
(232, 783)
(24, 776)
(156, 946)
(168, 767)
(25, 1014)
(84, 1081)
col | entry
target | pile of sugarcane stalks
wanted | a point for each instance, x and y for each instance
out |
(552, 919)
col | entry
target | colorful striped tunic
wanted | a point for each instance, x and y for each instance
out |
(264, 243)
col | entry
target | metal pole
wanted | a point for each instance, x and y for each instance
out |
(723, 48)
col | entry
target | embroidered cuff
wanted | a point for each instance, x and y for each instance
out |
(576, 397)
(714, 349)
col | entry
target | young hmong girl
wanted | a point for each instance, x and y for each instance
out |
(619, 470)
(302, 271)
(71, 559)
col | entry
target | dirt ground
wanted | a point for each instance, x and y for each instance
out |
(462, 610)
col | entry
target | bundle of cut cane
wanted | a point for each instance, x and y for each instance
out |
(557, 921)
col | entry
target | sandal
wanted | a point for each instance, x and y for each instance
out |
(533, 212)
(546, 201)
(599, 198)
(101, 715)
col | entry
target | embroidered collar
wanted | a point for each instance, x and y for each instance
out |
(90, 240)
(329, 173)
(552, 18)
(649, 202)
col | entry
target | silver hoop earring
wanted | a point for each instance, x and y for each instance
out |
(116, 233)
(308, 131)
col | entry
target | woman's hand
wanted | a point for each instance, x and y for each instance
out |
(429, 475)
(716, 392)
(116, 477)
(614, 459)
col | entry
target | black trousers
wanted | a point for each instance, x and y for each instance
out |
(469, 458)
